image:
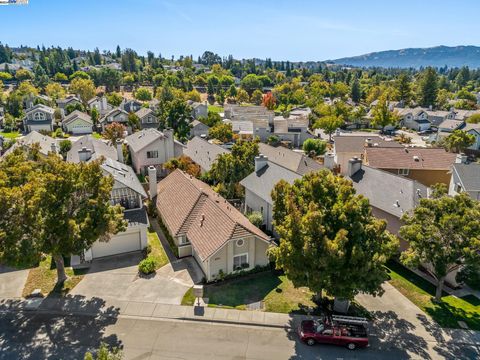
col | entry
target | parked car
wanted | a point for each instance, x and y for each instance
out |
(346, 331)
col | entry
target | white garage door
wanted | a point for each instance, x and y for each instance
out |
(118, 244)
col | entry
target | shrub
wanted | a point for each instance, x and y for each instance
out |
(146, 266)
(256, 218)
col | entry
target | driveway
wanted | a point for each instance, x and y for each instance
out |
(116, 278)
(12, 282)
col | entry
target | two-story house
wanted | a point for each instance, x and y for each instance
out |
(147, 118)
(101, 104)
(129, 193)
(204, 225)
(199, 109)
(152, 147)
(39, 117)
(415, 119)
(115, 115)
(293, 128)
(131, 106)
(465, 178)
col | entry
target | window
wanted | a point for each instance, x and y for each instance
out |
(182, 240)
(149, 119)
(403, 172)
(240, 242)
(39, 116)
(240, 262)
(152, 154)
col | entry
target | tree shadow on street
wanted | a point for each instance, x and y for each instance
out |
(61, 328)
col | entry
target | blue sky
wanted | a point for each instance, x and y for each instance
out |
(283, 30)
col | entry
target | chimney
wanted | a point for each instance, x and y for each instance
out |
(53, 147)
(169, 143)
(84, 154)
(368, 142)
(329, 160)
(120, 150)
(461, 159)
(430, 108)
(152, 181)
(260, 162)
(103, 105)
(354, 165)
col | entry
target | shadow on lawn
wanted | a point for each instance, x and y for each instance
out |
(447, 315)
(57, 331)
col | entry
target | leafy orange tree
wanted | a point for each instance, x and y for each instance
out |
(269, 101)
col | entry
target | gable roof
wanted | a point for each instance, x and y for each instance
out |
(451, 124)
(98, 147)
(198, 123)
(409, 158)
(41, 107)
(143, 112)
(356, 144)
(262, 182)
(77, 115)
(469, 175)
(190, 207)
(123, 174)
(292, 160)
(68, 99)
(137, 141)
(31, 138)
(112, 112)
(203, 153)
(391, 193)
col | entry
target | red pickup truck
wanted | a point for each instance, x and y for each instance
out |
(346, 331)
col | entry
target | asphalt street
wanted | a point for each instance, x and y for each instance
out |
(46, 336)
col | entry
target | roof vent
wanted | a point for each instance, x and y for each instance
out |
(397, 204)
(406, 150)
(416, 158)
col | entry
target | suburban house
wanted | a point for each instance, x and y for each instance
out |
(39, 117)
(251, 128)
(101, 104)
(197, 128)
(116, 115)
(465, 178)
(147, 118)
(31, 100)
(46, 143)
(129, 193)
(131, 106)
(152, 147)
(415, 119)
(294, 128)
(473, 129)
(259, 185)
(293, 160)
(390, 195)
(198, 109)
(426, 165)
(347, 147)
(88, 148)
(204, 225)
(239, 113)
(448, 126)
(77, 123)
(203, 153)
(69, 100)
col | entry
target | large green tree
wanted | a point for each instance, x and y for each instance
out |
(444, 232)
(53, 207)
(329, 239)
(458, 141)
(428, 87)
(230, 168)
(382, 116)
(403, 87)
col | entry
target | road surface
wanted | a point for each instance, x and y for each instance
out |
(46, 336)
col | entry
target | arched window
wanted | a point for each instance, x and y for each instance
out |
(39, 116)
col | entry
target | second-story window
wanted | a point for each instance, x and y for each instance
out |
(39, 116)
(152, 154)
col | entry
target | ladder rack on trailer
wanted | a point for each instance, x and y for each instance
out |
(350, 320)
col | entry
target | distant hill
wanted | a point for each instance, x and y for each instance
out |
(438, 56)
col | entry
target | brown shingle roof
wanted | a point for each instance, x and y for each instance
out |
(183, 201)
(409, 158)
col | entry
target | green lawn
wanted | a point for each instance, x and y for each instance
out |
(44, 277)
(215, 108)
(448, 312)
(157, 252)
(276, 291)
(10, 135)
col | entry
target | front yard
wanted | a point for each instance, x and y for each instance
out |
(44, 277)
(275, 291)
(10, 135)
(448, 312)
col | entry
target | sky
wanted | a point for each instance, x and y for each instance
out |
(295, 30)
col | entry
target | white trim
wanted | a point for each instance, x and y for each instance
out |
(239, 255)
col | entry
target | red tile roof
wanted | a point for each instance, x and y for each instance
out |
(409, 158)
(190, 207)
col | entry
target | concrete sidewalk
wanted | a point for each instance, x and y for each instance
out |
(72, 305)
